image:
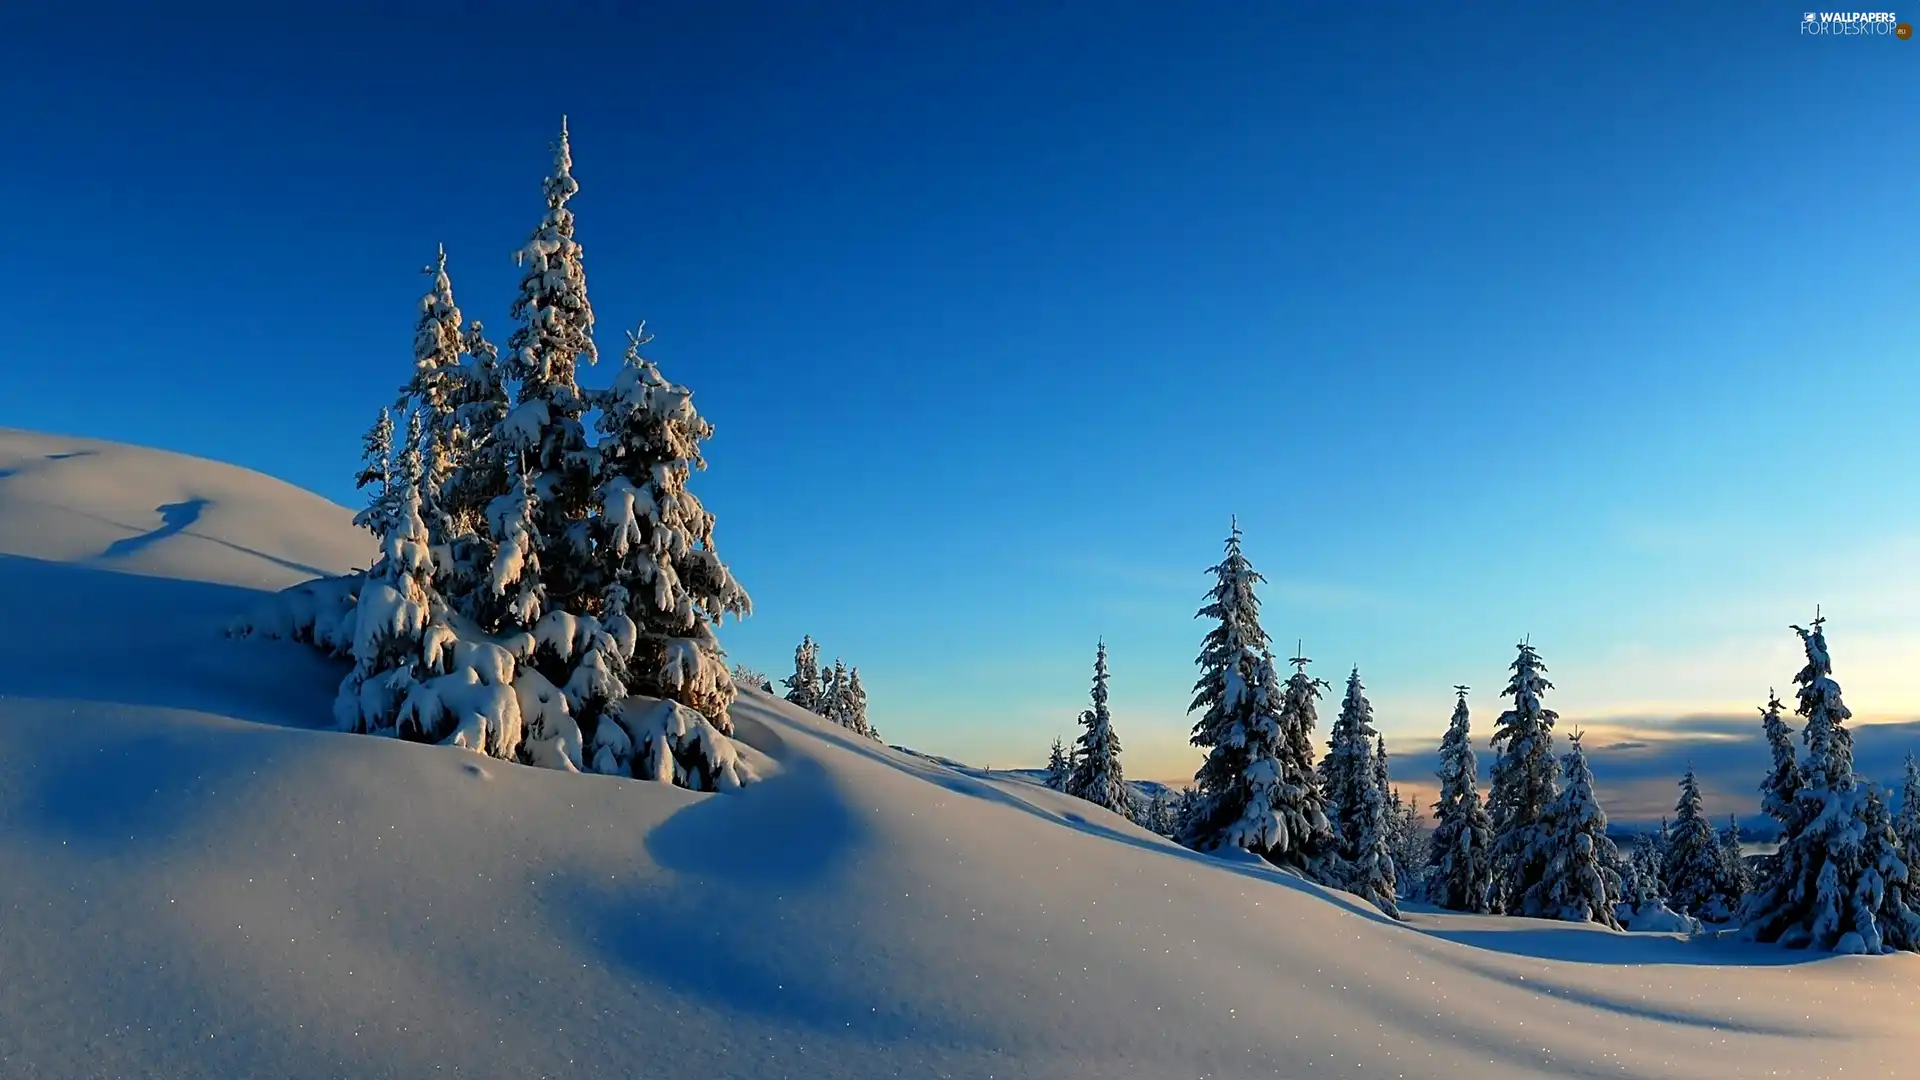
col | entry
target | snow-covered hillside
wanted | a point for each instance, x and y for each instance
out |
(193, 883)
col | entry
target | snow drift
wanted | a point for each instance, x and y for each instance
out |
(198, 881)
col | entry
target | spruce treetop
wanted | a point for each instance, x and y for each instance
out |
(557, 330)
(1829, 745)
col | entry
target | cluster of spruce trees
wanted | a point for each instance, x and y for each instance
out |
(541, 594)
(835, 692)
(1537, 844)
(1337, 821)
(1686, 865)
(1842, 878)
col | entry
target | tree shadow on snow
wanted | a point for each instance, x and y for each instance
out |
(128, 784)
(1578, 943)
(175, 518)
(1636, 1008)
(85, 633)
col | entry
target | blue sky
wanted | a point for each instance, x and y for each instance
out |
(1589, 322)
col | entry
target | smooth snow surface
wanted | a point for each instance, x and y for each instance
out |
(192, 884)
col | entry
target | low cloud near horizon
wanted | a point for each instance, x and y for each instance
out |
(1637, 762)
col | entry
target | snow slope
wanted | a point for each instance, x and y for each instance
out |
(193, 884)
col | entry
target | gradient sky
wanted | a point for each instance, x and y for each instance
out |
(1593, 322)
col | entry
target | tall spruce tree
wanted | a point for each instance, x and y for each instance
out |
(804, 687)
(1461, 848)
(833, 693)
(1302, 804)
(854, 715)
(1256, 789)
(1098, 777)
(1356, 802)
(1348, 778)
(655, 562)
(1579, 882)
(437, 390)
(554, 335)
(1523, 785)
(1814, 895)
(480, 468)
(1696, 870)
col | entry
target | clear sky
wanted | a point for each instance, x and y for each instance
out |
(1589, 321)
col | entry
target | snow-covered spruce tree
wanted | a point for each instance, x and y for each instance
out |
(1695, 871)
(555, 333)
(654, 556)
(1301, 799)
(1461, 847)
(1580, 883)
(1098, 777)
(1779, 796)
(514, 596)
(376, 473)
(1355, 802)
(1157, 816)
(437, 388)
(1057, 766)
(412, 676)
(853, 711)
(833, 691)
(1647, 888)
(645, 678)
(1256, 789)
(410, 463)
(1348, 779)
(1811, 897)
(1734, 865)
(1885, 896)
(804, 687)
(1184, 805)
(1780, 793)
(481, 466)
(1411, 848)
(752, 678)
(1907, 825)
(1523, 785)
(390, 623)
